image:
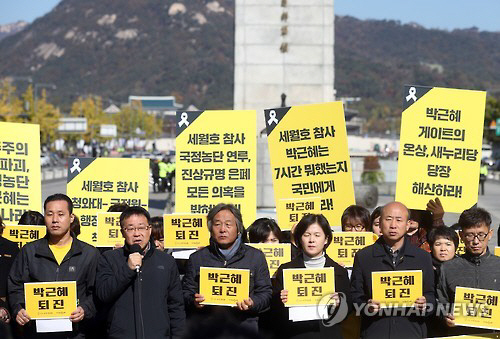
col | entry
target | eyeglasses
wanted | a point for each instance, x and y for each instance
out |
(358, 227)
(140, 229)
(480, 236)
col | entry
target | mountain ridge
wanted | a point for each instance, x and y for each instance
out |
(119, 48)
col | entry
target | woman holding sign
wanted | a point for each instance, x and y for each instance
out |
(312, 235)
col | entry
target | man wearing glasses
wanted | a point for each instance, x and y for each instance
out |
(139, 284)
(477, 268)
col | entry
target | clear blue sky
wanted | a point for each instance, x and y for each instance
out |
(26, 10)
(442, 14)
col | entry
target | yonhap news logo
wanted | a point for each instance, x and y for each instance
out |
(330, 311)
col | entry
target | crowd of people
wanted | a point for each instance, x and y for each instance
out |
(138, 290)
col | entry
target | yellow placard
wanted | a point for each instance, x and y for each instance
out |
(23, 234)
(310, 157)
(477, 308)
(224, 286)
(497, 251)
(94, 184)
(440, 147)
(290, 211)
(276, 254)
(344, 246)
(308, 286)
(50, 300)
(216, 161)
(20, 176)
(397, 288)
(185, 230)
(473, 336)
(108, 229)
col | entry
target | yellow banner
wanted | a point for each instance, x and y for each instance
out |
(185, 230)
(473, 336)
(477, 308)
(309, 156)
(345, 245)
(216, 161)
(50, 300)
(276, 254)
(307, 286)
(396, 288)
(108, 229)
(94, 184)
(224, 286)
(497, 251)
(20, 179)
(440, 147)
(23, 234)
(290, 211)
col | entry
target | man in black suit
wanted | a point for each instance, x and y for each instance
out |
(391, 252)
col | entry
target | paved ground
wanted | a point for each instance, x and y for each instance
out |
(158, 203)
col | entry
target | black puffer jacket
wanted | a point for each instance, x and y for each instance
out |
(162, 306)
(246, 257)
(375, 258)
(36, 263)
(8, 252)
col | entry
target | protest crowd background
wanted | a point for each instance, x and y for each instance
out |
(95, 264)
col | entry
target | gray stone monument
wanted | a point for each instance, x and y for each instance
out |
(283, 47)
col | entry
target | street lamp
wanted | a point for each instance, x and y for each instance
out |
(51, 86)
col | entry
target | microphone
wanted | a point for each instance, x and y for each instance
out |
(136, 248)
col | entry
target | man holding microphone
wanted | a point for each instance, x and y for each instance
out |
(139, 284)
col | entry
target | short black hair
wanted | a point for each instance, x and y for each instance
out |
(443, 232)
(59, 197)
(375, 214)
(133, 210)
(424, 218)
(120, 207)
(75, 226)
(260, 229)
(474, 216)
(31, 218)
(157, 228)
(306, 221)
(2, 225)
(357, 212)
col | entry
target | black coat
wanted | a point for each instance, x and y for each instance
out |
(8, 252)
(36, 263)
(313, 328)
(117, 287)
(155, 170)
(375, 258)
(246, 257)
